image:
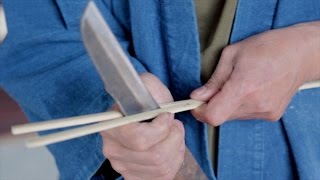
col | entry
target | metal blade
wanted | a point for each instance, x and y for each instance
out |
(3, 24)
(119, 76)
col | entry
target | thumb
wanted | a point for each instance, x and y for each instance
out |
(156, 88)
(218, 78)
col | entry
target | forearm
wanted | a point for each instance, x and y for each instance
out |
(190, 169)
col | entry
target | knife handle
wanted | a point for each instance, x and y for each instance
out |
(190, 168)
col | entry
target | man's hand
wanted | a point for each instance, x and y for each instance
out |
(152, 150)
(257, 77)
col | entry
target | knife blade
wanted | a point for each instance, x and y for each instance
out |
(120, 78)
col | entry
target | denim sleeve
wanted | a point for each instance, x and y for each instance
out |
(45, 68)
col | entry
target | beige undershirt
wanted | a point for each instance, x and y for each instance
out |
(215, 19)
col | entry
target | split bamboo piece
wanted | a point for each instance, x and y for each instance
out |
(310, 85)
(174, 107)
(72, 121)
(64, 122)
(111, 116)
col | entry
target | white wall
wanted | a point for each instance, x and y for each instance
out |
(19, 163)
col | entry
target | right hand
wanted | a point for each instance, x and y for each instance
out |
(152, 150)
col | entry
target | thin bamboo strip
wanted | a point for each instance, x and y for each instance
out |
(69, 122)
(174, 107)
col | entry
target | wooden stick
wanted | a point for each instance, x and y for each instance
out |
(174, 107)
(87, 119)
(69, 122)
(93, 118)
(310, 85)
(64, 122)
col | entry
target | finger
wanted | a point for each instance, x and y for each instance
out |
(141, 136)
(218, 78)
(163, 151)
(164, 167)
(221, 106)
(156, 155)
(128, 169)
(114, 151)
(166, 171)
(199, 113)
(158, 90)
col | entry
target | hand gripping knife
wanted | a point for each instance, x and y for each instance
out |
(120, 79)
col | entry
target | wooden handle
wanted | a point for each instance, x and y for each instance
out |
(174, 107)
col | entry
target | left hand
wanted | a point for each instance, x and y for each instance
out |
(257, 77)
(153, 150)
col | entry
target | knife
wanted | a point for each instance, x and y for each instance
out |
(3, 24)
(120, 78)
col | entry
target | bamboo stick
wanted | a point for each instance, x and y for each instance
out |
(69, 122)
(310, 85)
(64, 122)
(174, 107)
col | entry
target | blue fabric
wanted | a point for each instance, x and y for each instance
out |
(44, 67)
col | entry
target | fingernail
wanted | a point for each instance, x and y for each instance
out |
(200, 91)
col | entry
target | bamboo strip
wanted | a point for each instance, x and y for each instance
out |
(174, 107)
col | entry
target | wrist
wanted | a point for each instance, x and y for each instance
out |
(310, 36)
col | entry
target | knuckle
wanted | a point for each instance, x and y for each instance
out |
(264, 106)
(164, 169)
(273, 116)
(130, 135)
(210, 117)
(158, 157)
(168, 177)
(129, 175)
(126, 132)
(215, 123)
(247, 88)
(227, 52)
(198, 113)
(207, 115)
(216, 80)
(105, 151)
(180, 128)
(108, 152)
(118, 166)
(140, 143)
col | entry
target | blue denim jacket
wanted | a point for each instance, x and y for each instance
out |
(45, 68)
